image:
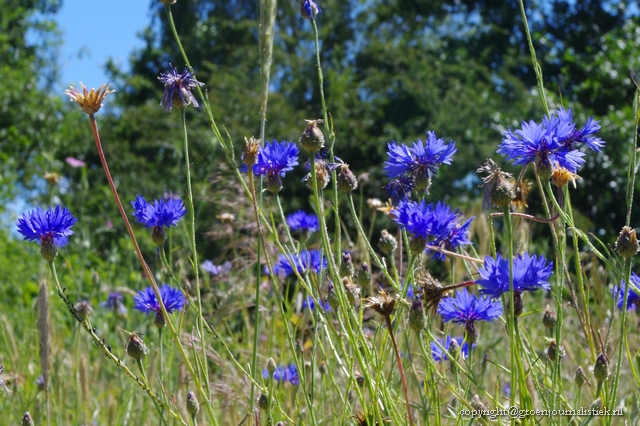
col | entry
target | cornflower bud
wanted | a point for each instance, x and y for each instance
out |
(193, 406)
(364, 275)
(388, 243)
(549, 319)
(417, 320)
(346, 266)
(312, 138)
(627, 243)
(579, 377)
(601, 368)
(347, 181)
(135, 346)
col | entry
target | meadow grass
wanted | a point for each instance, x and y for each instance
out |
(294, 331)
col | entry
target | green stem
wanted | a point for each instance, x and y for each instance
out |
(194, 255)
(400, 368)
(147, 271)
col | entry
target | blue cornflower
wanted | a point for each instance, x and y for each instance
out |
(447, 230)
(49, 227)
(274, 160)
(552, 143)
(303, 222)
(309, 9)
(436, 224)
(115, 303)
(529, 274)
(466, 308)
(177, 88)
(439, 355)
(146, 301)
(162, 213)
(309, 303)
(633, 300)
(212, 269)
(420, 162)
(311, 260)
(283, 374)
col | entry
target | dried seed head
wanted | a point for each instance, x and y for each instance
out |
(193, 406)
(83, 309)
(477, 404)
(431, 289)
(226, 217)
(312, 138)
(627, 243)
(384, 303)
(388, 243)
(374, 203)
(251, 150)
(522, 190)
(499, 187)
(89, 101)
(52, 178)
(323, 177)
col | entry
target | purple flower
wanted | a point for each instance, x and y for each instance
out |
(115, 303)
(75, 163)
(309, 303)
(436, 223)
(146, 301)
(177, 88)
(276, 158)
(309, 9)
(633, 300)
(466, 308)
(162, 213)
(399, 189)
(303, 222)
(212, 269)
(439, 355)
(552, 143)
(283, 374)
(529, 274)
(307, 260)
(46, 225)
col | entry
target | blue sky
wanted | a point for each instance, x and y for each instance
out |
(93, 31)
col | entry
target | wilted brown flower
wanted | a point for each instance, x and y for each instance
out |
(522, 190)
(561, 176)
(499, 186)
(52, 178)
(89, 101)
(384, 303)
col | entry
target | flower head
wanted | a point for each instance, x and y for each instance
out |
(633, 300)
(146, 301)
(274, 160)
(177, 88)
(399, 189)
(288, 373)
(212, 269)
(529, 274)
(115, 303)
(309, 303)
(307, 260)
(75, 163)
(162, 213)
(89, 101)
(439, 355)
(309, 9)
(552, 144)
(303, 222)
(40, 225)
(465, 308)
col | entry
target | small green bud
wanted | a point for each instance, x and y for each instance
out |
(417, 320)
(601, 368)
(353, 291)
(579, 378)
(263, 401)
(158, 235)
(364, 275)
(549, 319)
(271, 366)
(312, 139)
(346, 266)
(332, 297)
(192, 404)
(135, 346)
(388, 243)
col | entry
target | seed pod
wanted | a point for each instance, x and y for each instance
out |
(627, 243)
(312, 138)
